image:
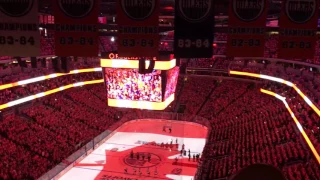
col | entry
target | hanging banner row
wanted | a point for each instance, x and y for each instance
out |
(75, 34)
(297, 29)
(76, 31)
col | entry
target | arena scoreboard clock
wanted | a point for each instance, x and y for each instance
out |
(193, 36)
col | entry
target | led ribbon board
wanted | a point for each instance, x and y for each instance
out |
(279, 80)
(305, 136)
(50, 76)
(141, 104)
(134, 64)
(46, 93)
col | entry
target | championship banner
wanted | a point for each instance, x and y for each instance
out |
(297, 29)
(138, 33)
(76, 28)
(193, 30)
(19, 28)
(246, 28)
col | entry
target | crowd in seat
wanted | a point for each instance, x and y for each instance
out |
(255, 128)
(219, 49)
(248, 127)
(17, 162)
(306, 82)
(222, 63)
(19, 92)
(201, 62)
(307, 117)
(50, 130)
(107, 44)
(271, 46)
(195, 92)
(166, 46)
(222, 96)
(47, 43)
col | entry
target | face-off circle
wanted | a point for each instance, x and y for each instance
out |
(76, 8)
(195, 10)
(142, 163)
(300, 11)
(16, 8)
(248, 10)
(138, 9)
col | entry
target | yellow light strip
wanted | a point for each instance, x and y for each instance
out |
(134, 64)
(288, 83)
(305, 136)
(50, 76)
(111, 102)
(245, 74)
(141, 104)
(39, 95)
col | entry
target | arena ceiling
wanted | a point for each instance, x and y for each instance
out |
(108, 7)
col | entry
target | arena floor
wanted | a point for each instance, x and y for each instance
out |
(144, 137)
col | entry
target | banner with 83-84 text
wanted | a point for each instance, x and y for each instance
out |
(193, 32)
(138, 23)
(246, 28)
(19, 28)
(297, 29)
(76, 28)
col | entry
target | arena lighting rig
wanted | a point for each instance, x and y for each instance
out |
(146, 84)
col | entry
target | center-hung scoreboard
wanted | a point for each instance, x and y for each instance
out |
(126, 87)
(137, 76)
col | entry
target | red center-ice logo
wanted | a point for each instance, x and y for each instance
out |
(143, 161)
(159, 166)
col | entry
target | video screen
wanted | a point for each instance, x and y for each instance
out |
(128, 84)
(172, 79)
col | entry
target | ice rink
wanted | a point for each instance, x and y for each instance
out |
(143, 150)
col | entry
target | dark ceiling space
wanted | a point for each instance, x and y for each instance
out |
(108, 7)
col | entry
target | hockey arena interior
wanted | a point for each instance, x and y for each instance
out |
(159, 89)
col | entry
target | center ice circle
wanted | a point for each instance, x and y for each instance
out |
(142, 162)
